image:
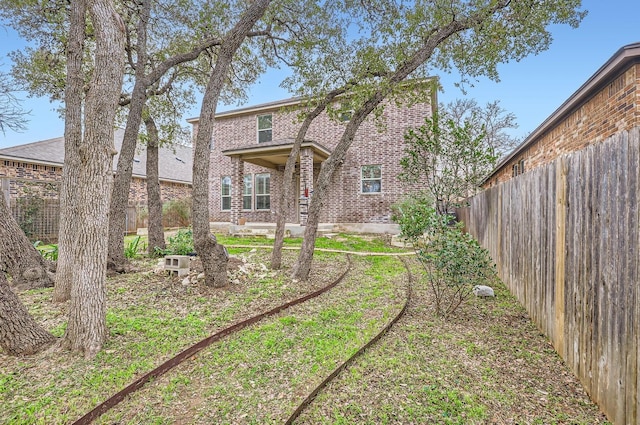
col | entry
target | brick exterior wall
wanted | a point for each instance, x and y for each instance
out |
(345, 203)
(613, 108)
(26, 176)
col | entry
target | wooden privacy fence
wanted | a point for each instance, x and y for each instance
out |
(565, 241)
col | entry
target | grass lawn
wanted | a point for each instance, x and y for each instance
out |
(487, 364)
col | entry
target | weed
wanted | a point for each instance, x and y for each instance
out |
(131, 249)
(48, 252)
(179, 244)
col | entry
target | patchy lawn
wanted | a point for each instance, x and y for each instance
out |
(488, 364)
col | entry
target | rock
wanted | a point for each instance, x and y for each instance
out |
(186, 281)
(200, 276)
(483, 291)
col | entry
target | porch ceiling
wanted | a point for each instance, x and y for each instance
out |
(275, 153)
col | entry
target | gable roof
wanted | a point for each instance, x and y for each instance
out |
(175, 162)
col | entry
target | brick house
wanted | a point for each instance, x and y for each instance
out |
(607, 104)
(35, 169)
(250, 147)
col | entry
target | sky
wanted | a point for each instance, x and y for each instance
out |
(532, 89)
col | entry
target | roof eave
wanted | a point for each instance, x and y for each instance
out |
(624, 57)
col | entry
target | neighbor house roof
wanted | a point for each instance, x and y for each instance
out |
(175, 162)
(621, 60)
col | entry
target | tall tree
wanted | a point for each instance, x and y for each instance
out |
(473, 36)
(20, 334)
(73, 96)
(18, 257)
(86, 328)
(492, 120)
(286, 202)
(213, 255)
(154, 201)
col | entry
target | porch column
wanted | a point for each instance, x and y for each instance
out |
(306, 182)
(237, 186)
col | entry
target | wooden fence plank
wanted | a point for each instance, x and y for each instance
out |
(565, 238)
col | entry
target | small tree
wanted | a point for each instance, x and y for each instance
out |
(492, 120)
(453, 261)
(449, 159)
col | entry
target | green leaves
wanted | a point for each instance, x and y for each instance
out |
(452, 260)
(449, 159)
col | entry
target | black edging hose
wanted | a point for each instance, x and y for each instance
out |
(194, 349)
(307, 401)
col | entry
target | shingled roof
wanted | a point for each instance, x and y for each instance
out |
(175, 162)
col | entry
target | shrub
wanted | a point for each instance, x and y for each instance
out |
(179, 244)
(453, 260)
(177, 213)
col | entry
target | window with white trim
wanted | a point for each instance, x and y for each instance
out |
(265, 124)
(247, 192)
(371, 179)
(225, 193)
(263, 192)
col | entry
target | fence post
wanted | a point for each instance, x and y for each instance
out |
(561, 219)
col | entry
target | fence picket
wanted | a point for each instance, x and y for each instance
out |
(566, 238)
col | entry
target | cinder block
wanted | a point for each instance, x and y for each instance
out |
(177, 264)
(176, 261)
(179, 272)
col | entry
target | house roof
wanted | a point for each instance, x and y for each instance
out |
(254, 108)
(175, 162)
(623, 58)
(275, 153)
(292, 101)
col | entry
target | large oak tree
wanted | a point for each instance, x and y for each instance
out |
(408, 40)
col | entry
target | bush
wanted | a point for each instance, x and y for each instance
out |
(177, 213)
(453, 261)
(179, 244)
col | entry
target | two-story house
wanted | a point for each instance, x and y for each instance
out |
(250, 147)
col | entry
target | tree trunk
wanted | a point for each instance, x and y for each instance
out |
(286, 195)
(154, 201)
(303, 265)
(18, 257)
(212, 255)
(329, 167)
(20, 334)
(86, 329)
(72, 138)
(122, 180)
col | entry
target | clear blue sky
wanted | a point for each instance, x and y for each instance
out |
(532, 88)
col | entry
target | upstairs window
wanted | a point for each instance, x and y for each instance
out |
(247, 192)
(225, 194)
(265, 128)
(371, 179)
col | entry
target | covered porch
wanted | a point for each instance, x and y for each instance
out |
(273, 155)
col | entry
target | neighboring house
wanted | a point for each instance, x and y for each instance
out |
(35, 169)
(250, 147)
(607, 104)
